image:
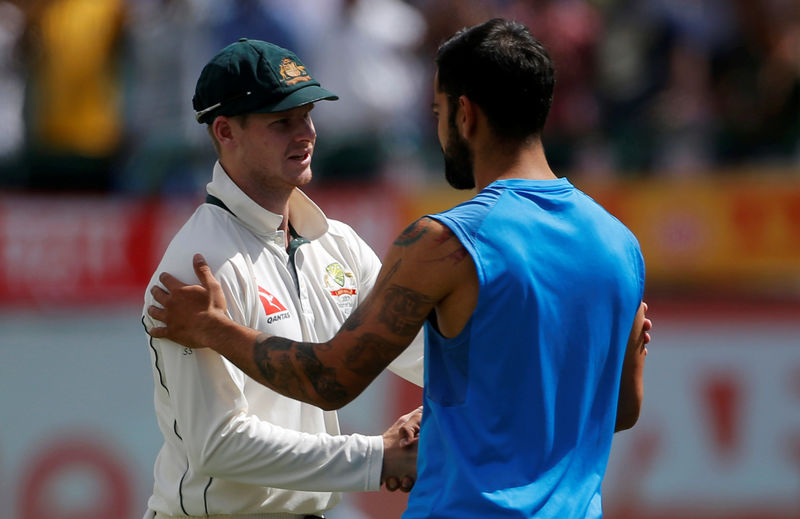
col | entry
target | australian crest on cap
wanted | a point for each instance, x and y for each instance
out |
(293, 73)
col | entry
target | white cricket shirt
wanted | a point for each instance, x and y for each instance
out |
(231, 445)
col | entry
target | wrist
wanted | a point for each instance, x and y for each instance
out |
(216, 327)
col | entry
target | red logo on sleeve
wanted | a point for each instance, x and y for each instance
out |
(270, 302)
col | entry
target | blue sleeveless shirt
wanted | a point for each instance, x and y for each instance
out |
(520, 407)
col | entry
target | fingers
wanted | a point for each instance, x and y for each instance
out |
(409, 425)
(202, 270)
(158, 332)
(159, 314)
(159, 294)
(409, 434)
(169, 281)
(405, 485)
(414, 416)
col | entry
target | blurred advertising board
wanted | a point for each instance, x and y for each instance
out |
(735, 235)
(719, 436)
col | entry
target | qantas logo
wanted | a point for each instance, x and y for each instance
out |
(270, 302)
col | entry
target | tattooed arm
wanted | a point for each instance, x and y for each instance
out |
(426, 270)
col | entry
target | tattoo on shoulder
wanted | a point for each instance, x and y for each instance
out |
(445, 235)
(404, 310)
(412, 233)
(455, 256)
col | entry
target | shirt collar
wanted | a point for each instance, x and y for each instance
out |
(306, 217)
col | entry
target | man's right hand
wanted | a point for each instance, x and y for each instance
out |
(189, 313)
(400, 444)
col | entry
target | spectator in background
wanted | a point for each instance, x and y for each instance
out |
(12, 87)
(572, 31)
(74, 119)
(682, 112)
(252, 19)
(366, 51)
(166, 151)
(757, 85)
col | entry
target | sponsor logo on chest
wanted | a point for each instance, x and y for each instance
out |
(273, 308)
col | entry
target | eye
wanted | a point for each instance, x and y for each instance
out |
(280, 122)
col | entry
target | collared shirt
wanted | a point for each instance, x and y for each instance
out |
(231, 445)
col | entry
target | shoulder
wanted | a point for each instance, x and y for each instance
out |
(210, 232)
(424, 229)
(345, 239)
(610, 220)
(427, 238)
(467, 217)
(339, 229)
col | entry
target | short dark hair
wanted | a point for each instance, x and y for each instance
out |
(502, 68)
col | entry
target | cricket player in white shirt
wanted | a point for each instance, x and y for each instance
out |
(232, 447)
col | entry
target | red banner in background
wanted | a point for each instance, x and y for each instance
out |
(81, 250)
(57, 251)
(740, 236)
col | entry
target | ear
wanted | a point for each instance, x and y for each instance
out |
(223, 130)
(467, 117)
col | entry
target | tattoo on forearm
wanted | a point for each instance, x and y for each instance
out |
(404, 310)
(275, 358)
(371, 354)
(411, 234)
(322, 378)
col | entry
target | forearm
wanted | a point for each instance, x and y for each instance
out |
(291, 368)
(255, 452)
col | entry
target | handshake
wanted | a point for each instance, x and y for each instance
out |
(400, 443)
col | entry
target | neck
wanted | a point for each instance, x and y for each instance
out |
(495, 161)
(273, 198)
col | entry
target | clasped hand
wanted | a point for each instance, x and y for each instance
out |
(400, 444)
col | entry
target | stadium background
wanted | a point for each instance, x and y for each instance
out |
(682, 117)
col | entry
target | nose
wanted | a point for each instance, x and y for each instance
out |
(306, 131)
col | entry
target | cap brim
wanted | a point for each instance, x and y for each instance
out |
(303, 96)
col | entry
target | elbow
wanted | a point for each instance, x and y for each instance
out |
(208, 453)
(202, 457)
(333, 404)
(626, 420)
(331, 394)
(628, 414)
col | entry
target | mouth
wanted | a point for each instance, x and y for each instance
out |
(302, 158)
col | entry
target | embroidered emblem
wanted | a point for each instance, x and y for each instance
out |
(342, 286)
(337, 273)
(293, 73)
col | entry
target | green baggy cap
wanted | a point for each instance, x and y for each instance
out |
(253, 76)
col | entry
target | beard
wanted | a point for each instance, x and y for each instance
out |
(458, 161)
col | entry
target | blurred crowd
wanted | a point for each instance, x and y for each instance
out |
(95, 95)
